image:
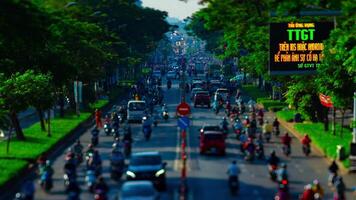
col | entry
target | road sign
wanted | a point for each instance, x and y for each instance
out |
(183, 109)
(183, 122)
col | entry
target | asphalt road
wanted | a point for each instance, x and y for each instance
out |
(207, 178)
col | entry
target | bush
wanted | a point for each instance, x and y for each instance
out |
(326, 140)
(276, 108)
(286, 115)
(268, 103)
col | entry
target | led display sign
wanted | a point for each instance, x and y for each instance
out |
(296, 47)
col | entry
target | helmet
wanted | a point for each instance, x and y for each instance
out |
(316, 182)
(284, 165)
(48, 163)
(90, 146)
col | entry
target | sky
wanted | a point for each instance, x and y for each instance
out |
(175, 8)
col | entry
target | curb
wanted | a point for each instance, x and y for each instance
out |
(290, 127)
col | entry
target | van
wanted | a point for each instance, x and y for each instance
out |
(136, 110)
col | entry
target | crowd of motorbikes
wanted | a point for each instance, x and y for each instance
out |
(252, 131)
(116, 126)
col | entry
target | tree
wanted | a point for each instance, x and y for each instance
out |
(16, 92)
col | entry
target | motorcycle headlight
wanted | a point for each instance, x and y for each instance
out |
(160, 172)
(131, 174)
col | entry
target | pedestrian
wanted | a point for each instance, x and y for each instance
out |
(98, 122)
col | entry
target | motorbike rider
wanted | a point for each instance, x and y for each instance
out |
(78, 148)
(48, 171)
(252, 129)
(28, 189)
(306, 141)
(107, 119)
(233, 171)
(273, 160)
(224, 124)
(41, 162)
(260, 114)
(100, 185)
(287, 140)
(282, 173)
(250, 147)
(275, 124)
(267, 129)
(317, 189)
(116, 146)
(308, 193)
(333, 169)
(340, 188)
(238, 125)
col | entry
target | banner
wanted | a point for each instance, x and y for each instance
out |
(325, 100)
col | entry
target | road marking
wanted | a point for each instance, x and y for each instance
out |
(177, 160)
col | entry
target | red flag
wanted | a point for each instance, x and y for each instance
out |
(325, 100)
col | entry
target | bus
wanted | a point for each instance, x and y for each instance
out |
(136, 110)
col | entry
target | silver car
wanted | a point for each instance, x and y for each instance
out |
(142, 190)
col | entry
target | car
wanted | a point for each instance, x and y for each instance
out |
(198, 84)
(202, 98)
(206, 127)
(221, 93)
(194, 91)
(171, 75)
(212, 142)
(143, 190)
(147, 166)
(157, 73)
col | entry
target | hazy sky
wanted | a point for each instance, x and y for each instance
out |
(175, 8)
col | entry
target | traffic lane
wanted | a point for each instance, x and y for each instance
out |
(104, 147)
(208, 171)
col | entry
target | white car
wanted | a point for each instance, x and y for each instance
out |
(171, 75)
(222, 92)
(142, 190)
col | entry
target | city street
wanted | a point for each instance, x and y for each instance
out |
(207, 178)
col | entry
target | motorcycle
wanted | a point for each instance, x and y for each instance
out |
(115, 131)
(69, 178)
(127, 148)
(107, 129)
(272, 172)
(260, 151)
(286, 150)
(267, 136)
(238, 133)
(100, 195)
(46, 182)
(165, 115)
(117, 164)
(90, 178)
(147, 132)
(306, 149)
(95, 137)
(276, 131)
(249, 156)
(233, 184)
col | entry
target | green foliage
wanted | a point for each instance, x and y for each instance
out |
(325, 140)
(254, 92)
(9, 168)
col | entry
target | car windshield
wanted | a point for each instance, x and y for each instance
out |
(137, 106)
(146, 160)
(211, 128)
(138, 190)
(213, 137)
(203, 93)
